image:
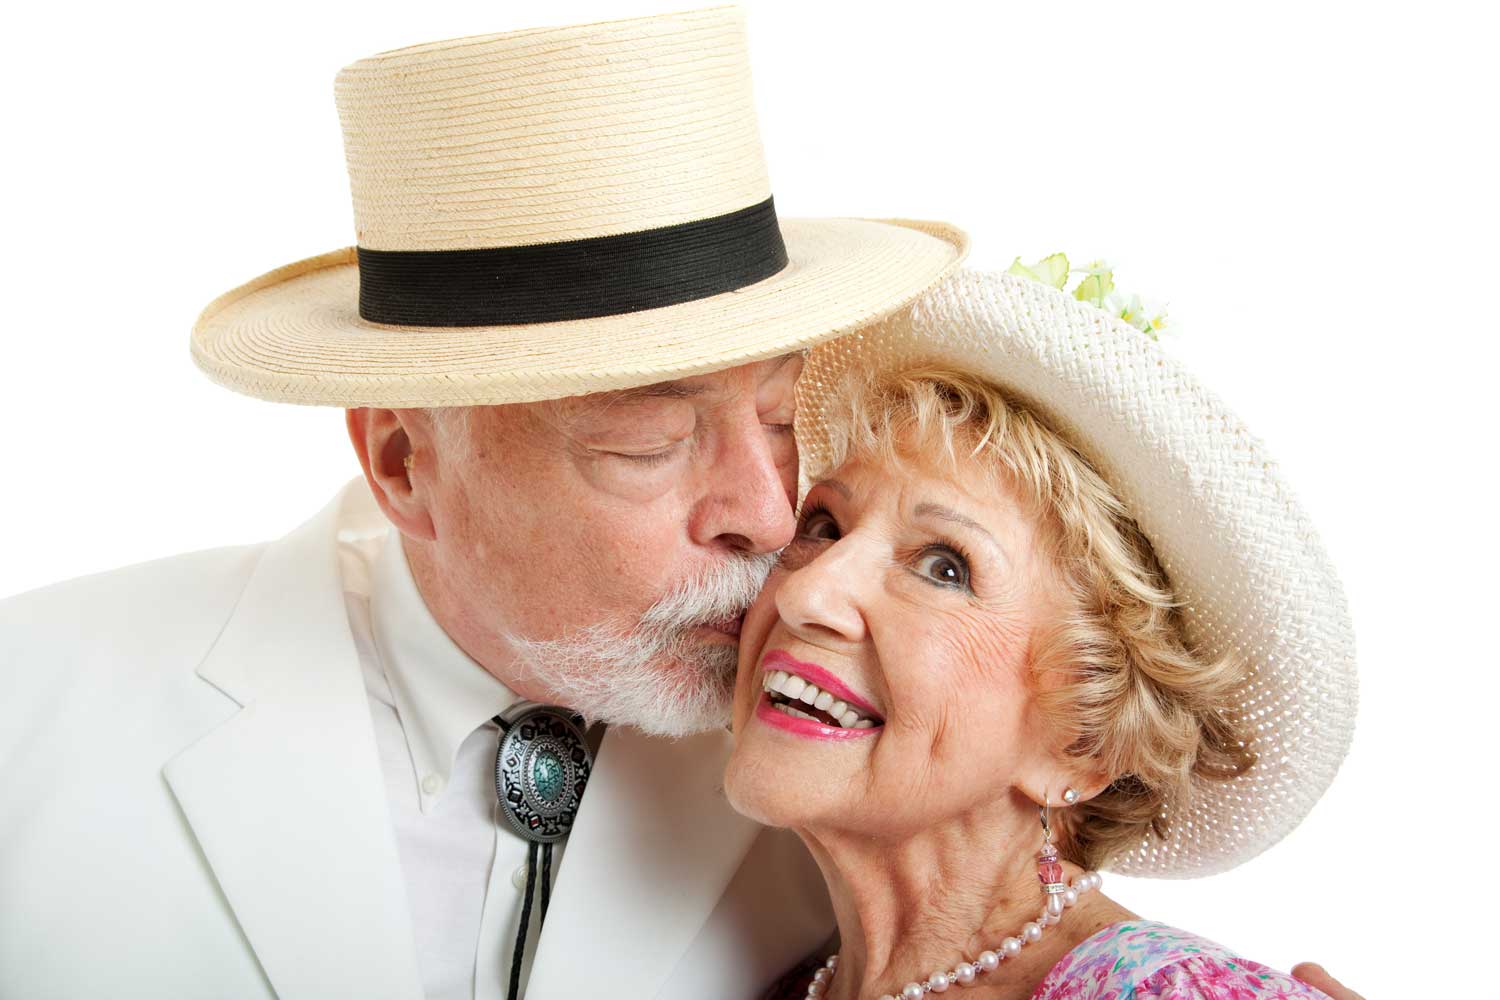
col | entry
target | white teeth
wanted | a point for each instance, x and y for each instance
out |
(797, 689)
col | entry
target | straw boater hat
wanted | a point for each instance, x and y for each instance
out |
(1238, 550)
(554, 212)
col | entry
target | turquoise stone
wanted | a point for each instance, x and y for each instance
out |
(547, 775)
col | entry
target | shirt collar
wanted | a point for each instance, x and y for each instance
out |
(441, 694)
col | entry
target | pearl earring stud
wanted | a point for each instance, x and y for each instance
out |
(1070, 796)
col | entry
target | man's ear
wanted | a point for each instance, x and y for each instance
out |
(393, 446)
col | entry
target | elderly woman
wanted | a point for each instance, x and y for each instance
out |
(1049, 610)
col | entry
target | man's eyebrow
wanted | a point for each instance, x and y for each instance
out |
(598, 404)
(659, 390)
(672, 390)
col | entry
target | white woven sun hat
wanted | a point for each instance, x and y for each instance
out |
(1238, 550)
(553, 212)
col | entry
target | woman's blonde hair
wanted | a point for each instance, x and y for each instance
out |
(1114, 675)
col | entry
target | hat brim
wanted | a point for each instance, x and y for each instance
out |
(1241, 555)
(294, 335)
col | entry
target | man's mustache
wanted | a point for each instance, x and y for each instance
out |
(723, 591)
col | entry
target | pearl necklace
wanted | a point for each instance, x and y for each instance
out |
(965, 973)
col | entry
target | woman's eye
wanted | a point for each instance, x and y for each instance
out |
(819, 524)
(944, 566)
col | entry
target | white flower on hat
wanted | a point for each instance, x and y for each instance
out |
(1051, 270)
(1096, 286)
(1146, 317)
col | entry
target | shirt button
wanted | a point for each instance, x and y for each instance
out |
(518, 878)
(432, 784)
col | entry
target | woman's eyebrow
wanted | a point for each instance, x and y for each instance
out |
(927, 508)
(949, 514)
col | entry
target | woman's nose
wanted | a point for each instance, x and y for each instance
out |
(820, 600)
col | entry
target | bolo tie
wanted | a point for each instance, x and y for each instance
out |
(542, 766)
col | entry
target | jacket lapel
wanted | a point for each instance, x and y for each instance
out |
(286, 798)
(653, 848)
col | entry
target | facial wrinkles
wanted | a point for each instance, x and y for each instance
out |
(981, 661)
(615, 479)
(679, 430)
(951, 690)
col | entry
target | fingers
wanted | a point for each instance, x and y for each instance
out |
(1315, 975)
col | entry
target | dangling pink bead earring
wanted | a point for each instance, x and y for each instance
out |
(1049, 870)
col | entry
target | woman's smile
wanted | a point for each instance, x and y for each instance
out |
(807, 700)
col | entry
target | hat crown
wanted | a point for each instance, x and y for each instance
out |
(552, 134)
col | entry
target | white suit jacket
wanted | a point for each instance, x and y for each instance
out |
(191, 806)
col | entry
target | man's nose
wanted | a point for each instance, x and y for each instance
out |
(747, 499)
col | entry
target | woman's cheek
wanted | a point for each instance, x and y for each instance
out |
(759, 619)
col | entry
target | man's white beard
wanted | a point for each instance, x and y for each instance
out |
(658, 676)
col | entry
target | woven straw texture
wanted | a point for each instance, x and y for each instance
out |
(1239, 551)
(552, 134)
(545, 136)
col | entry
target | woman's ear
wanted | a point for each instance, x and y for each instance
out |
(393, 446)
(1056, 784)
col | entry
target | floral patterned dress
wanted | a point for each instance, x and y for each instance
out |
(1136, 960)
(1149, 960)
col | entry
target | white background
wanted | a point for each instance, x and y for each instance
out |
(1311, 187)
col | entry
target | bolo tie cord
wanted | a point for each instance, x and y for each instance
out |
(519, 955)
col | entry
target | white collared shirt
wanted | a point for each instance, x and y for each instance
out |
(432, 708)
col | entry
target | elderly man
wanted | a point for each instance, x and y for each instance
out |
(418, 747)
(567, 343)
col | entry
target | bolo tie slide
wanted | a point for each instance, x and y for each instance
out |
(542, 766)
